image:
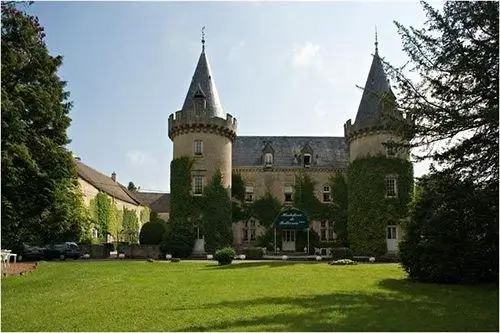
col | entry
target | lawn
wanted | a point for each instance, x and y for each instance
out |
(259, 296)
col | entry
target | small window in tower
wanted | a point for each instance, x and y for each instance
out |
(390, 187)
(268, 160)
(198, 185)
(326, 193)
(307, 160)
(248, 194)
(288, 190)
(198, 147)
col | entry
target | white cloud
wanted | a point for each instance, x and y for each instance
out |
(138, 158)
(307, 56)
(235, 50)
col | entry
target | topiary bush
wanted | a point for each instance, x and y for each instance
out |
(341, 253)
(151, 233)
(225, 256)
(253, 253)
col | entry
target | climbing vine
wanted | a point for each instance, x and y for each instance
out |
(369, 211)
(338, 186)
(130, 226)
(102, 206)
(145, 215)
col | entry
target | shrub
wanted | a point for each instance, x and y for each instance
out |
(225, 256)
(151, 233)
(343, 262)
(253, 253)
(341, 253)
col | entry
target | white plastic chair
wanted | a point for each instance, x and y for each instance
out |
(5, 254)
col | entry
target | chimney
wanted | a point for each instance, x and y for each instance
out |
(113, 176)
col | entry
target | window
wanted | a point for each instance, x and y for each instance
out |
(198, 185)
(198, 147)
(326, 231)
(391, 232)
(248, 194)
(288, 190)
(249, 231)
(326, 193)
(390, 187)
(94, 233)
(307, 160)
(268, 159)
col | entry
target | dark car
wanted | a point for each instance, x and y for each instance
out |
(62, 251)
(26, 252)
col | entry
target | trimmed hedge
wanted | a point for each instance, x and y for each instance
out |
(341, 253)
(151, 233)
(253, 253)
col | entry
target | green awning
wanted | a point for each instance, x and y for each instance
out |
(292, 218)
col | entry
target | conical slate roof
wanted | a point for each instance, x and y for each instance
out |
(203, 80)
(370, 108)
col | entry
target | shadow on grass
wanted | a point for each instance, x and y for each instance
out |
(263, 263)
(382, 311)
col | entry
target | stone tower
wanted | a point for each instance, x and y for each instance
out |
(380, 175)
(370, 134)
(202, 130)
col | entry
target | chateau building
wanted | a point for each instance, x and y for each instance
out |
(203, 130)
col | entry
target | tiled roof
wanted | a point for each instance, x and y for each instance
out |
(158, 202)
(203, 81)
(327, 152)
(104, 183)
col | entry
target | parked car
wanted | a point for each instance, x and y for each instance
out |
(26, 252)
(62, 251)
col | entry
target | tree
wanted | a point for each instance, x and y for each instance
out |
(454, 104)
(448, 240)
(131, 187)
(40, 200)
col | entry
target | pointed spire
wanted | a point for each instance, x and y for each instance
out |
(370, 108)
(203, 82)
(203, 39)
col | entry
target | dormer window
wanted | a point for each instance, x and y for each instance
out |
(307, 160)
(268, 160)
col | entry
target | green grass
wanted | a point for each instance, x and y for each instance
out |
(261, 296)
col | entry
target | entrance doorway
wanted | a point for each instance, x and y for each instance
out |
(288, 240)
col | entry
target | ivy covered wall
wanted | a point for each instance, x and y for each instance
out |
(369, 210)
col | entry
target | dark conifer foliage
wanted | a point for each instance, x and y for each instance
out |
(40, 198)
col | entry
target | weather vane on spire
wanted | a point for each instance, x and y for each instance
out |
(376, 40)
(203, 37)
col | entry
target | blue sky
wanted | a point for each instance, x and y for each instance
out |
(281, 68)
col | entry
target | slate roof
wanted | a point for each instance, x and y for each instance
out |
(104, 183)
(203, 80)
(327, 152)
(158, 202)
(370, 108)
